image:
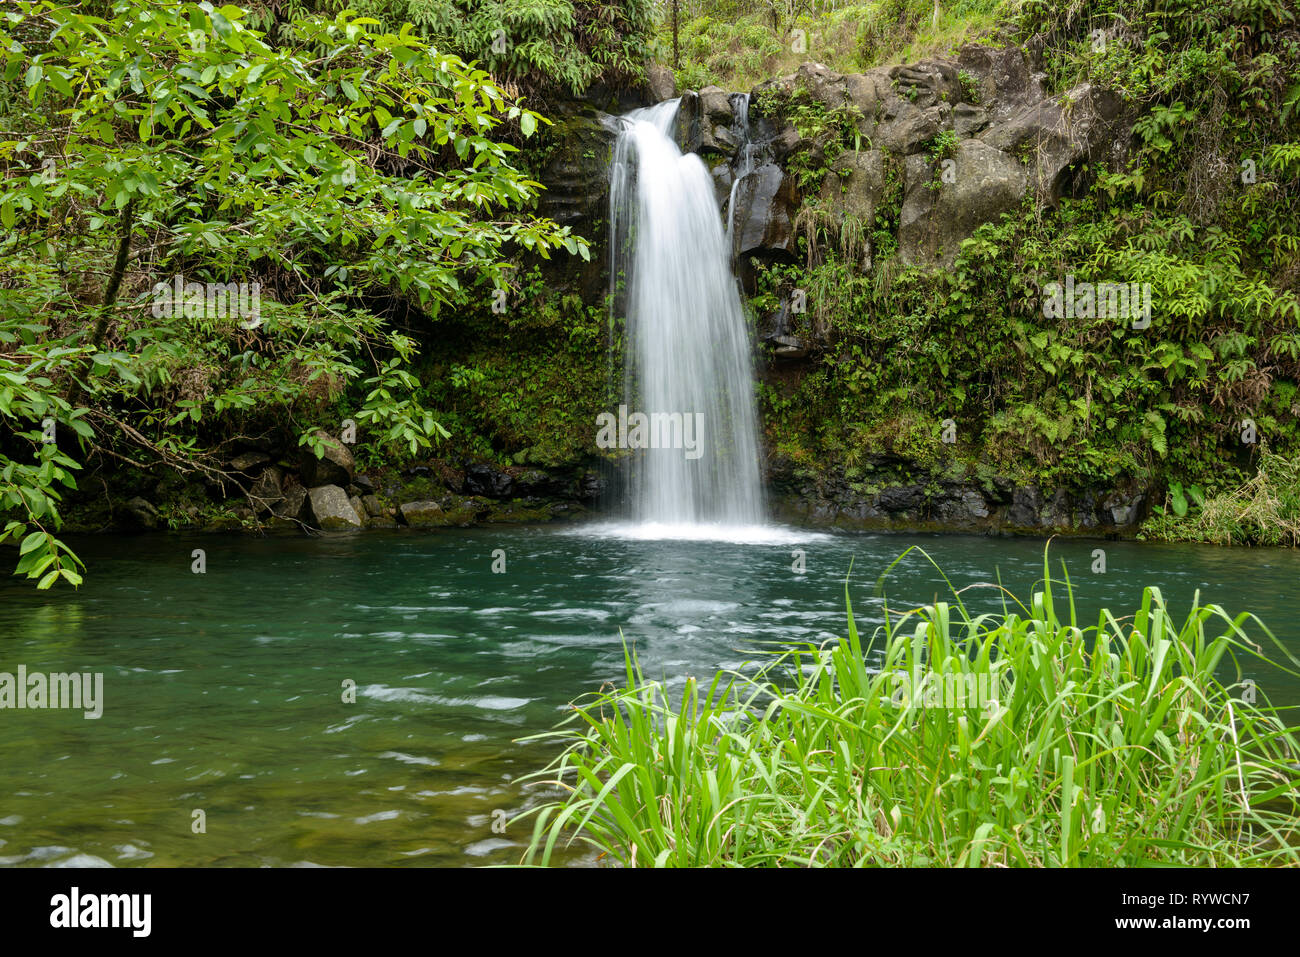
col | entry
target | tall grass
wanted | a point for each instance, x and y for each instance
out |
(1263, 511)
(1114, 744)
(739, 45)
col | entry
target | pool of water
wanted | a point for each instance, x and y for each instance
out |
(224, 692)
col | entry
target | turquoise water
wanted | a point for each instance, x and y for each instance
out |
(223, 692)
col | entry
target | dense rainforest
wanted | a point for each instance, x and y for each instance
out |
(249, 252)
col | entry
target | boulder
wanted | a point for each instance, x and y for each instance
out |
(267, 490)
(331, 510)
(906, 129)
(823, 84)
(937, 216)
(715, 105)
(359, 508)
(968, 121)
(249, 460)
(292, 506)
(855, 187)
(868, 93)
(706, 122)
(424, 514)
(788, 142)
(334, 468)
(660, 82)
(142, 513)
(1005, 78)
(1054, 138)
(926, 84)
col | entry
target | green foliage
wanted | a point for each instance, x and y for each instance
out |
(737, 44)
(526, 386)
(827, 132)
(1122, 744)
(1265, 510)
(1069, 402)
(170, 139)
(544, 47)
(969, 87)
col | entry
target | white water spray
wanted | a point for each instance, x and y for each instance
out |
(740, 104)
(688, 349)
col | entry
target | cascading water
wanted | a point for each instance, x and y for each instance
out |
(745, 162)
(688, 362)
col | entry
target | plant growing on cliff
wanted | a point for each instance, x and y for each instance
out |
(173, 140)
(1264, 510)
(827, 131)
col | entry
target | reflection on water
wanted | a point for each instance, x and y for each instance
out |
(226, 692)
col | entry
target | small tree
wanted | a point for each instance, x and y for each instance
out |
(169, 135)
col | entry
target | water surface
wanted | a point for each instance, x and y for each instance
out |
(224, 691)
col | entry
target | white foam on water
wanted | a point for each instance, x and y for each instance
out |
(752, 534)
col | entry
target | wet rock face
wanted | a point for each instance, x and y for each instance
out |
(706, 123)
(766, 202)
(487, 481)
(576, 174)
(1014, 143)
(908, 499)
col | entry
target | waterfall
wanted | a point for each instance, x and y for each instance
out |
(745, 162)
(689, 374)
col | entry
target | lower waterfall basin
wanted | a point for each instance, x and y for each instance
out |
(224, 692)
